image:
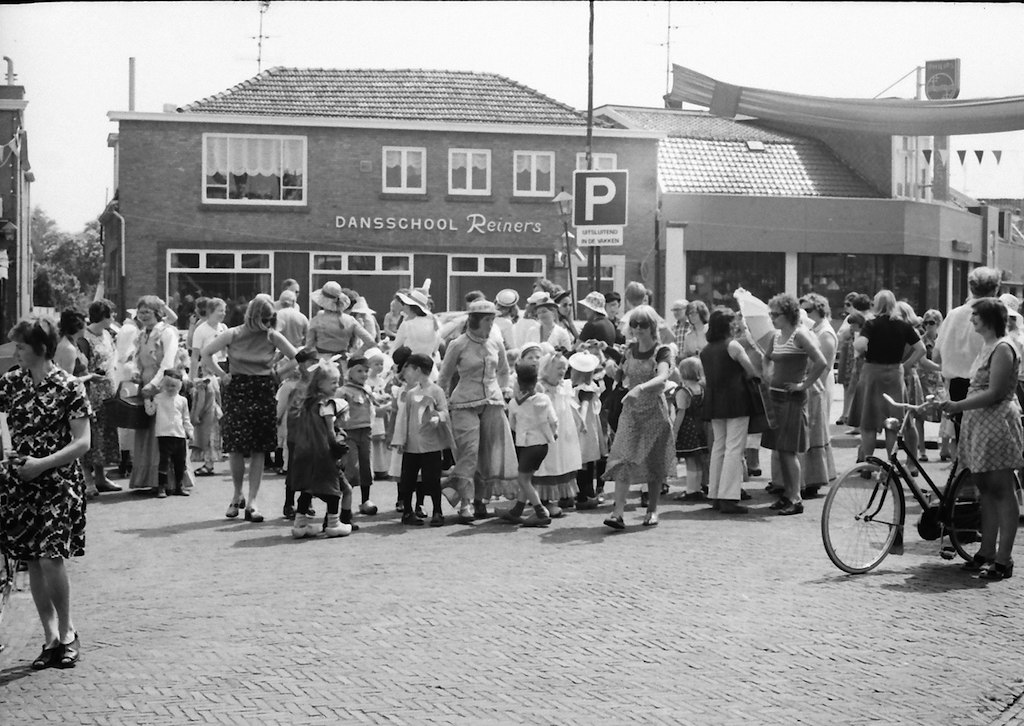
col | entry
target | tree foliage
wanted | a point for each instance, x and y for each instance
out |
(67, 267)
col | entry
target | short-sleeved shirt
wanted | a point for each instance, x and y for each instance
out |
(599, 329)
(250, 351)
(204, 333)
(887, 339)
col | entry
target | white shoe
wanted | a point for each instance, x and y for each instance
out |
(339, 530)
(301, 528)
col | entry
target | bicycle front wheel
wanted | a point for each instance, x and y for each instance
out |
(861, 518)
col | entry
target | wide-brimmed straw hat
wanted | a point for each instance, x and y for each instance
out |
(416, 299)
(362, 307)
(584, 362)
(330, 297)
(541, 299)
(594, 301)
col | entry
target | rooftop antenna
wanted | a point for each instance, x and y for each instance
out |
(668, 50)
(264, 7)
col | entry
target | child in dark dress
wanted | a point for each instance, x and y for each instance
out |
(691, 437)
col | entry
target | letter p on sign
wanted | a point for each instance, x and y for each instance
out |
(600, 198)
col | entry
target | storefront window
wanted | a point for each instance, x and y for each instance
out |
(375, 277)
(491, 273)
(713, 276)
(912, 278)
(234, 276)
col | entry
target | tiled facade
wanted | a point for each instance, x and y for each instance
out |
(341, 218)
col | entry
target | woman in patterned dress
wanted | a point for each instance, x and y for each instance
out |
(42, 491)
(249, 424)
(818, 462)
(991, 439)
(98, 348)
(643, 449)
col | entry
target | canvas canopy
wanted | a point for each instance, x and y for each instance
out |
(884, 115)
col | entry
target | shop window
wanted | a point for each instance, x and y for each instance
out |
(836, 275)
(469, 171)
(491, 273)
(713, 276)
(376, 277)
(404, 170)
(252, 169)
(598, 162)
(237, 277)
(612, 275)
(534, 174)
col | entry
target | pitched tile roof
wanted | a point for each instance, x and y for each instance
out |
(705, 154)
(421, 95)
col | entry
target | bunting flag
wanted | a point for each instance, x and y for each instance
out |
(927, 155)
(980, 153)
(943, 156)
(998, 155)
(962, 153)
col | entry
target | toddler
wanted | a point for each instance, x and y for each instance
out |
(173, 428)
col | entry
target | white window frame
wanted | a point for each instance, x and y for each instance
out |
(403, 151)
(512, 274)
(345, 270)
(610, 161)
(260, 202)
(469, 191)
(532, 192)
(203, 268)
(616, 262)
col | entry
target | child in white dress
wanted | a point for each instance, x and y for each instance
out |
(556, 478)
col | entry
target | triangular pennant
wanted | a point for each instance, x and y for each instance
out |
(980, 153)
(943, 155)
(962, 153)
(927, 155)
(998, 155)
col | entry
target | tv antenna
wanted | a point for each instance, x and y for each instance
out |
(264, 7)
(668, 50)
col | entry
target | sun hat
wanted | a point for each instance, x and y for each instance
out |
(507, 298)
(584, 362)
(371, 353)
(561, 296)
(416, 299)
(482, 307)
(541, 299)
(1011, 301)
(362, 307)
(594, 301)
(330, 297)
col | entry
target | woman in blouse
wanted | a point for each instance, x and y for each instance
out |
(98, 347)
(727, 406)
(643, 449)
(42, 491)
(249, 423)
(886, 342)
(797, 364)
(991, 439)
(485, 451)
(156, 350)
(419, 329)
(332, 330)
(696, 337)
(818, 463)
(548, 330)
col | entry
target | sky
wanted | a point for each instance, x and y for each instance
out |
(72, 59)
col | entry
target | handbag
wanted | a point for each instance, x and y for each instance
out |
(760, 419)
(127, 411)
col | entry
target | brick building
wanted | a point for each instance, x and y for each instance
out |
(16, 178)
(377, 179)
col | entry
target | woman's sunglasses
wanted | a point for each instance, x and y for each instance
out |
(639, 324)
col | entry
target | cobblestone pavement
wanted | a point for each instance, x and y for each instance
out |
(186, 616)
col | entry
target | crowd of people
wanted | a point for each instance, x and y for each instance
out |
(518, 399)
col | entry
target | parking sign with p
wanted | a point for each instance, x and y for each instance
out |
(599, 198)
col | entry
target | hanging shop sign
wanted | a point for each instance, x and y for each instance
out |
(473, 224)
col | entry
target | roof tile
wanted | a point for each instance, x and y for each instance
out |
(421, 95)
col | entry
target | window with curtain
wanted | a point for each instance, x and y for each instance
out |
(469, 171)
(598, 162)
(251, 169)
(534, 174)
(404, 170)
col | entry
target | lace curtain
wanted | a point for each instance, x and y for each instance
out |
(253, 156)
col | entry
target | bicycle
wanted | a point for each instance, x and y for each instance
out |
(864, 513)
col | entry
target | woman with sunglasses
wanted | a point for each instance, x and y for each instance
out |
(797, 364)
(249, 423)
(643, 449)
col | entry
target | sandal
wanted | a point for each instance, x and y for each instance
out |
(205, 470)
(615, 522)
(651, 520)
(48, 658)
(70, 653)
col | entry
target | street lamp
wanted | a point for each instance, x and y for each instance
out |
(564, 201)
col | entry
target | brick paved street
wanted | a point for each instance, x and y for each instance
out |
(189, 617)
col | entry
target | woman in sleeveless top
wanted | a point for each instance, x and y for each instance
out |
(727, 407)
(818, 463)
(643, 449)
(991, 439)
(797, 365)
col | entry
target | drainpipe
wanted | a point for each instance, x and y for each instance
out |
(124, 295)
(10, 70)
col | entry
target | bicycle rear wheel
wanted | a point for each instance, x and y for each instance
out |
(963, 515)
(861, 518)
